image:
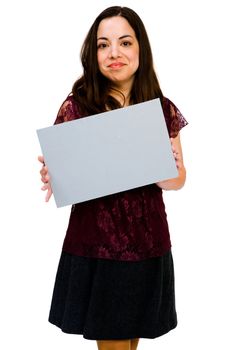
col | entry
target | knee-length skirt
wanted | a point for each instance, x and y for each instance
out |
(104, 299)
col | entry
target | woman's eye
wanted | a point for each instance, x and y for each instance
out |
(102, 46)
(126, 43)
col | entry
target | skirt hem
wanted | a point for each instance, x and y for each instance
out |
(159, 333)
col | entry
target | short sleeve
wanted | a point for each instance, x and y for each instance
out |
(174, 118)
(68, 111)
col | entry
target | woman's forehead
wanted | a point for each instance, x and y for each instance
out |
(114, 26)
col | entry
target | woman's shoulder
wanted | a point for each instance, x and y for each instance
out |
(68, 111)
(168, 103)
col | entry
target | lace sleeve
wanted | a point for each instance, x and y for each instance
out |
(174, 119)
(68, 111)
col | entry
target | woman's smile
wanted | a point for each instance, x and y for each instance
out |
(116, 65)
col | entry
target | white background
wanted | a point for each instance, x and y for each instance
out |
(40, 45)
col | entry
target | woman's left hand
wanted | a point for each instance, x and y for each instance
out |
(178, 182)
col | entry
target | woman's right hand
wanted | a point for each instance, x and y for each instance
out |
(45, 178)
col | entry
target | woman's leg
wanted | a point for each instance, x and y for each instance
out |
(114, 344)
(134, 343)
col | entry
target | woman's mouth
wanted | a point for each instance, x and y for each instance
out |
(116, 65)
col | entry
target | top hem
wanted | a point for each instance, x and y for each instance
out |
(117, 256)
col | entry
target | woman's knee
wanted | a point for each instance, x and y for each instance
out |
(134, 343)
(114, 344)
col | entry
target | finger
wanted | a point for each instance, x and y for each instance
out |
(45, 187)
(172, 143)
(173, 148)
(44, 170)
(41, 159)
(179, 165)
(44, 180)
(49, 194)
(178, 156)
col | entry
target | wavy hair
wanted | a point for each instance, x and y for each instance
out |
(91, 90)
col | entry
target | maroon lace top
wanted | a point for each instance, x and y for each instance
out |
(130, 225)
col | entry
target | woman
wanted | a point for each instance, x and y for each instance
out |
(115, 280)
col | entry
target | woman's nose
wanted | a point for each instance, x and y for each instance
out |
(114, 51)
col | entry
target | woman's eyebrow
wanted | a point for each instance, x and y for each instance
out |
(121, 37)
(125, 36)
(102, 38)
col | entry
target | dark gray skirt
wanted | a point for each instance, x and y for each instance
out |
(107, 299)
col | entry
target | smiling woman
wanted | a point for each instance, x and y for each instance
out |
(118, 55)
(115, 280)
(94, 85)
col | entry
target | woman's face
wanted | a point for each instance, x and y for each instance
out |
(117, 51)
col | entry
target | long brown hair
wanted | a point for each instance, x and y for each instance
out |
(91, 91)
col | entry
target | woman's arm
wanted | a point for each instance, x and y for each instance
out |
(178, 182)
